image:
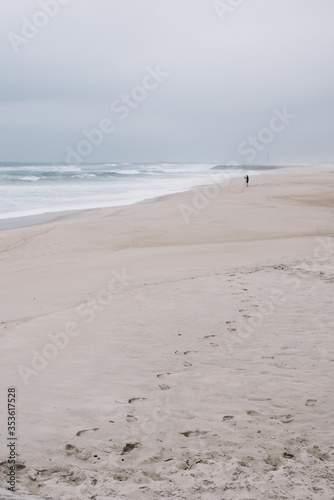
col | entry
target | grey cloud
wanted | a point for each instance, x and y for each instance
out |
(225, 78)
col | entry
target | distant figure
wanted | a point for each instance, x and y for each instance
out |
(247, 179)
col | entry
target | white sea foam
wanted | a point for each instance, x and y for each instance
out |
(40, 168)
(126, 172)
(38, 189)
(31, 178)
(83, 176)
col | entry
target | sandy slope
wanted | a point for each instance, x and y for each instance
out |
(198, 356)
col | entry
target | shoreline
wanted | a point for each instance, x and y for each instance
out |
(32, 220)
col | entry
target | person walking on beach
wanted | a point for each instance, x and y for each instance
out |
(247, 179)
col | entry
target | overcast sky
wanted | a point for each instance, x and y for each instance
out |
(229, 67)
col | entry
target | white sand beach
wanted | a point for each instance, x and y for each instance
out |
(176, 349)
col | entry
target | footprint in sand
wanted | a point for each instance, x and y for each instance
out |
(83, 455)
(185, 352)
(316, 452)
(273, 461)
(86, 430)
(311, 402)
(253, 413)
(285, 419)
(193, 433)
(71, 450)
(131, 419)
(132, 400)
(160, 375)
(129, 447)
(164, 387)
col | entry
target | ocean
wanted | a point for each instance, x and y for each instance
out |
(34, 189)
